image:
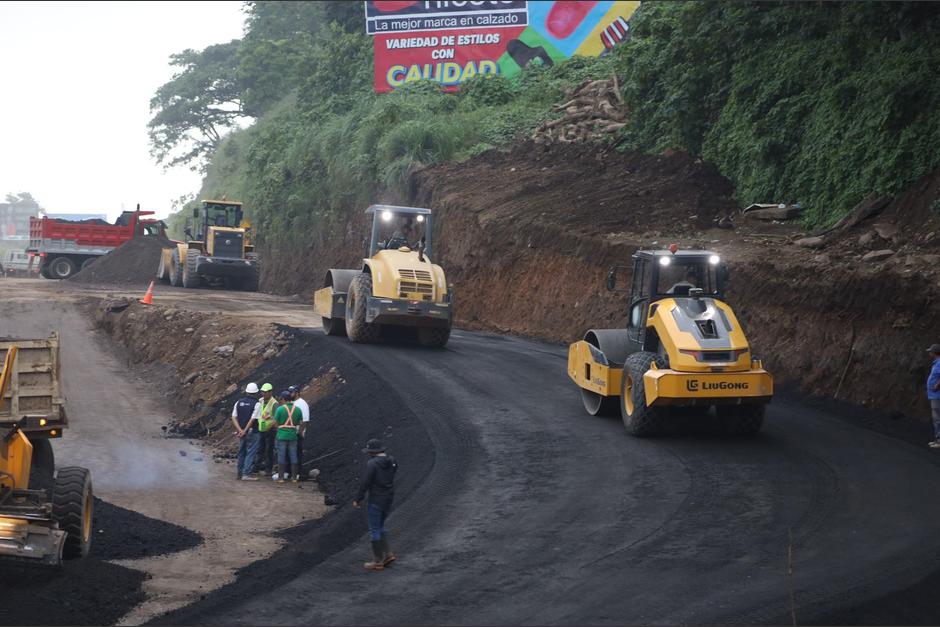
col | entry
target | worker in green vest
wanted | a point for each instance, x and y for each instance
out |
(266, 425)
(289, 418)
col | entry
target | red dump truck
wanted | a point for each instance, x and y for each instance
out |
(62, 247)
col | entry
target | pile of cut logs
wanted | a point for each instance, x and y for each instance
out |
(592, 111)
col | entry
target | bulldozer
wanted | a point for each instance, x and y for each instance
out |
(397, 285)
(219, 254)
(683, 350)
(45, 513)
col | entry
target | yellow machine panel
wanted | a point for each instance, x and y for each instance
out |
(681, 345)
(398, 274)
(669, 387)
(589, 369)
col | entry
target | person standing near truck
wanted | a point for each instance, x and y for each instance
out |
(245, 415)
(288, 417)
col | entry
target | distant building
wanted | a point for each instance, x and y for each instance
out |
(14, 219)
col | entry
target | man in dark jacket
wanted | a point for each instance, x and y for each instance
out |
(379, 482)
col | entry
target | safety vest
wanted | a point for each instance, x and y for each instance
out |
(290, 418)
(267, 415)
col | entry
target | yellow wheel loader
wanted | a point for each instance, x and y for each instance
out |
(397, 285)
(682, 347)
(45, 513)
(219, 254)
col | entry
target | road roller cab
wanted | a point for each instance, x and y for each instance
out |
(683, 347)
(397, 284)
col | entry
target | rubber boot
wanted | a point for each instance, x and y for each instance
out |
(388, 556)
(377, 557)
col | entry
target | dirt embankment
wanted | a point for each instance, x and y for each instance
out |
(526, 237)
(204, 360)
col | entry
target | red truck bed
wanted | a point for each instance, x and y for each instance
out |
(64, 246)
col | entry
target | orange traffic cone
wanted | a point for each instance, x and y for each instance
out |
(148, 297)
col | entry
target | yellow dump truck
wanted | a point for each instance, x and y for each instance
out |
(45, 513)
(397, 284)
(683, 347)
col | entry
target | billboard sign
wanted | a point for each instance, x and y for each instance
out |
(406, 17)
(452, 41)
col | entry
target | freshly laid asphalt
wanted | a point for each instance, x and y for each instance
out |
(526, 510)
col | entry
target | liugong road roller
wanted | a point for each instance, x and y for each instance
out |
(683, 347)
(397, 284)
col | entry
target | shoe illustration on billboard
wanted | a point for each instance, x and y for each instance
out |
(566, 15)
(617, 32)
(522, 54)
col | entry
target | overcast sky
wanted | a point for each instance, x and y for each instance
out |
(75, 98)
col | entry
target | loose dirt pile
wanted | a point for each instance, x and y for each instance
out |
(90, 591)
(134, 262)
(205, 370)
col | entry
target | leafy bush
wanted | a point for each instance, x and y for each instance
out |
(819, 103)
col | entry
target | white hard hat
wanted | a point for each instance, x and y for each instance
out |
(252, 388)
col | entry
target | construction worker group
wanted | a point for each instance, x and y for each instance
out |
(270, 430)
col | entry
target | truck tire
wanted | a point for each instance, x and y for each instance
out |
(190, 278)
(73, 508)
(62, 268)
(176, 271)
(640, 420)
(251, 282)
(333, 326)
(42, 467)
(163, 275)
(358, 330)
(433, 337)
(741, 419)
(44, 271)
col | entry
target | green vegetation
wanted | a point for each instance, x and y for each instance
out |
(818, 103)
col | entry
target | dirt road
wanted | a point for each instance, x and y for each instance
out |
(115, 431)
(523, 509)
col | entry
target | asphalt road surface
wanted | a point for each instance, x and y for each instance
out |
(536, 513)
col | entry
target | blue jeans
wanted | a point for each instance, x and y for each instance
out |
(247, 449)
(935, 414)
(377, 516)
(285, 449)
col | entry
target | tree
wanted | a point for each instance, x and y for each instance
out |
(197, 106)
(22, 197)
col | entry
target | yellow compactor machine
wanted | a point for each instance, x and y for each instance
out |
(45, 513)
(217, 254)
(683, 347)
(397, 285)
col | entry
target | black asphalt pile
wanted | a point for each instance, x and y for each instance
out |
(121, 534)
(135, 262)
(90, 591)
(362, 407)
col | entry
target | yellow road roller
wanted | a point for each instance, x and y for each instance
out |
(397, 284)
(683, 347)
